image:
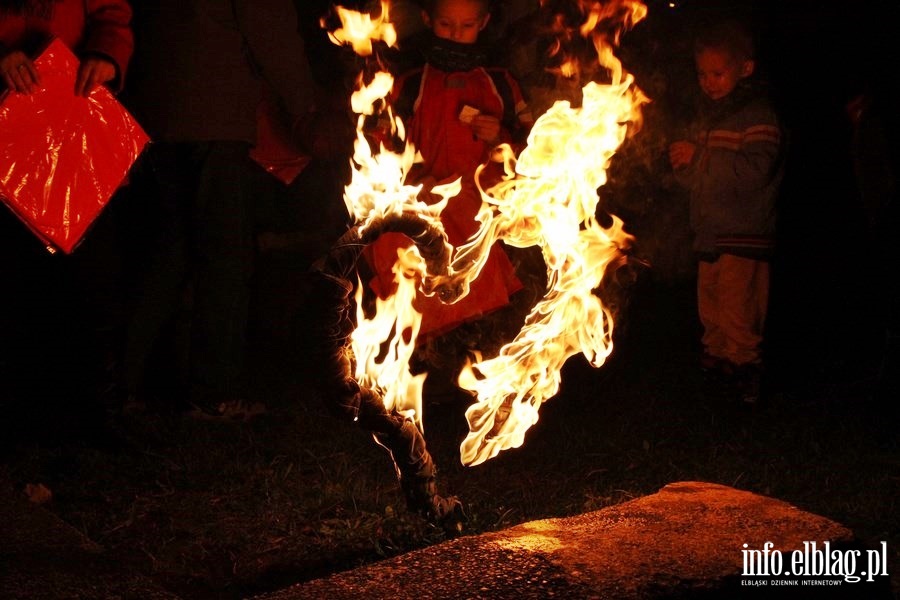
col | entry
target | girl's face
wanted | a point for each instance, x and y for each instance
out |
(457, 20)
(719, 72)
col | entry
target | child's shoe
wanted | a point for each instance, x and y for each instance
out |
(715, 365)
(749, 378)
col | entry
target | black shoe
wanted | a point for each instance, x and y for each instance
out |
(422, 498)
(207, 409)
(716, 366)
(749, 379)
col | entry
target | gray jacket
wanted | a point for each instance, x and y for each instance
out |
(735, 176)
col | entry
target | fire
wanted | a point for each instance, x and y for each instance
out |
(360, 30)
(385, 366)
(547, 199)
(382, 345)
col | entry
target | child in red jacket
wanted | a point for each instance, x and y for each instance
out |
(456, 110)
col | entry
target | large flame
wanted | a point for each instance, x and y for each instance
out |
(547, 199)
(382, 344)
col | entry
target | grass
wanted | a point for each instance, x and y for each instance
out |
(213, 510)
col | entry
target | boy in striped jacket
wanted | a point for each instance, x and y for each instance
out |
(732, 166)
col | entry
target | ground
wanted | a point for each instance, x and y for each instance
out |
(229, 510)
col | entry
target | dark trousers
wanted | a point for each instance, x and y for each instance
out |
(61, 317)
(200, 253)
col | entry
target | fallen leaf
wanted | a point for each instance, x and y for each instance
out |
(38, 493)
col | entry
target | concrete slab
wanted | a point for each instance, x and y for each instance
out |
(686, 541)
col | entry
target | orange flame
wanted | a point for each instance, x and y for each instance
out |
(549, 199)
(360, 30)
(551, 203)
(383, 345)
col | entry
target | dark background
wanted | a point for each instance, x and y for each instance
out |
(228, 510)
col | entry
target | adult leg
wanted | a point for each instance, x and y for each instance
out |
(99, 286)
(223, 247)
(166, 176)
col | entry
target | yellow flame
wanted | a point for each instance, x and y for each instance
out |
(360, 30)
(377, 185)
(551, 202)
(383, 344)
(547, 199)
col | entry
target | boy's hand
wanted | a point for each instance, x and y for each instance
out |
(428, 183)
(486, 128)
(681, 154)
(19, 73)
(93, 71)
(425, 194)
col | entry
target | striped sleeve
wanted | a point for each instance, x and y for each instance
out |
(766, 134)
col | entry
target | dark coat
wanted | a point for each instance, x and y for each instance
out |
(200, 66)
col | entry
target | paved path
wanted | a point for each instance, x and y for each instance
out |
(683, 542)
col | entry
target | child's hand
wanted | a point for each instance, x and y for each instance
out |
(681, 154)
(428, 183)
(93, 71)
(425, 194)
(19, 73)
(486, 128)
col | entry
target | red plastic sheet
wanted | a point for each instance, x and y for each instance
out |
(274, 150)
(62, 156)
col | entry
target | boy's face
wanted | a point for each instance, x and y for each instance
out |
(457, 20)
(719, 72)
